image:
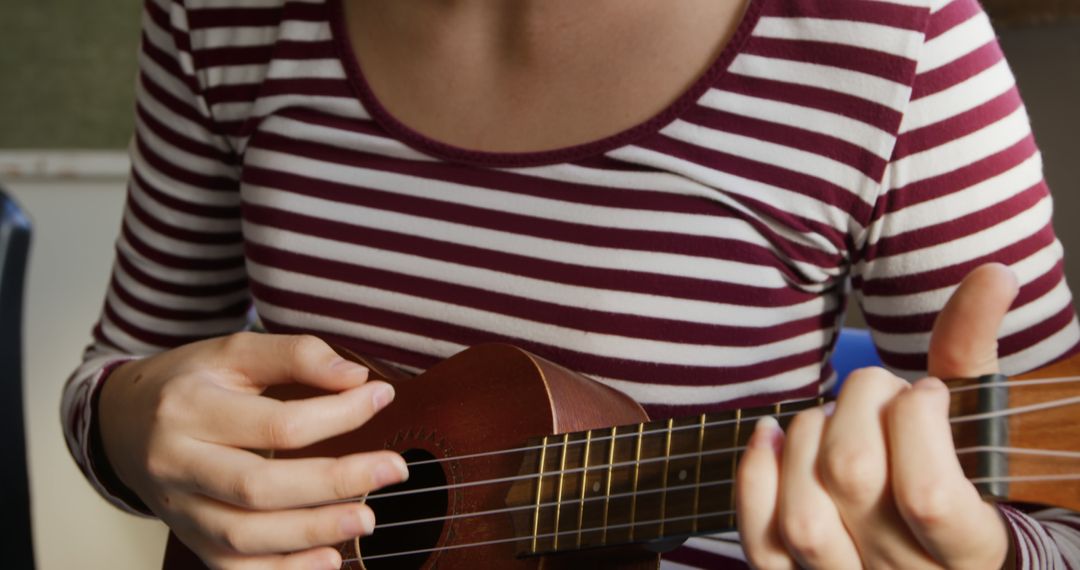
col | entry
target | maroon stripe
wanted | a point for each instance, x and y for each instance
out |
(564, 315)
(924, 322)
(633, 371)
(816, 188)
(175, 105)
(855, 108)
(963, 177)
(817, 143)
(178, 140)
(180, 174)
(775, 175)
(1043, 329)
(262, 54)
(200, 236)
(973, 63)
(523, 224)
(248, 92)
(502, 180)
(188, 315)
(958, 227)
(852, 58)
(177, 261)
(892, 15)
(203, 18)
(949, 276)
(172, 288)
(156, 337)
(957, 126)
(757, 400)
(954, 13)
(640, 281)
(180, 205)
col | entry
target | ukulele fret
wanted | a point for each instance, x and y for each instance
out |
(664, 475)
(637, 474)
(539, 495)
(584, 485)
(559, 491)
(607, 489)
(697, 472)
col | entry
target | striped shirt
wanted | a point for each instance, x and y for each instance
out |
(699, 260)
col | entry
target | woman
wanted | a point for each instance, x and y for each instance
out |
(672, 199)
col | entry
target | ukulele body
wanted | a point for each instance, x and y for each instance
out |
(487, 398)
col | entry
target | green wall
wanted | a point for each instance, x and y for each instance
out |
(67, 70)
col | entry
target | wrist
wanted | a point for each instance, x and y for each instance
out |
(100, 463)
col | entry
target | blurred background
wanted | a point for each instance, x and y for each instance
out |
(66, 77)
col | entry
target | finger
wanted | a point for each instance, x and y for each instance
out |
(240, 531)
(251, 421)
(963, 343)
(756, 490)
(247, 480)
(810, 524)
(264, 360)
(311, 559)
(942, 508)
(854, 467)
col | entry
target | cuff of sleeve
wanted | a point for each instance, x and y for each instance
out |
(1032, 546)
(98, 469)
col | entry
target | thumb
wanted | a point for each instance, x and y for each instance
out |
(963, 343)
(265, 360)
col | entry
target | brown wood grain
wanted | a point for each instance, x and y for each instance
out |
(1019, 12)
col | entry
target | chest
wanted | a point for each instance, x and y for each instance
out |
(524, 78)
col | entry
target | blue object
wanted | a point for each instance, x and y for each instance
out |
(854, 349)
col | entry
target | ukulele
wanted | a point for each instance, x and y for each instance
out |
(514, 463)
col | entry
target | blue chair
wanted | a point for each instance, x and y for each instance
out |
(854, 349)
(16, 547)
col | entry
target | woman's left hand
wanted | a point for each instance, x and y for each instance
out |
(876, 483)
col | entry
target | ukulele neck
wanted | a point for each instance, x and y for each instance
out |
(640, 483)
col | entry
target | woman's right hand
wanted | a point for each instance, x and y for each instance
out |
(178, 429)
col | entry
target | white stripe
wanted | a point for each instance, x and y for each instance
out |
(508, 202)
(959, 41)
(731, 185)
(180, 190)
(181, 158)
(264, 106)
(191, 276)
(177, 218)
(664, 393)
(172, 301)
(960, 152)
(863, 135)
(866, 35)
(129, 343)
(838, 174)
(205, 328)
(862, 85)
(677, 265)
(603, 300)
(962, 97)
(954, 205)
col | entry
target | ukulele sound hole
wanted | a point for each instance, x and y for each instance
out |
(389, 540)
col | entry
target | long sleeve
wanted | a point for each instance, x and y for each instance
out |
(965, 187)
(178, 274)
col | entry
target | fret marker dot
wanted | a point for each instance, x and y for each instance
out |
(682, 475)
(596, 487)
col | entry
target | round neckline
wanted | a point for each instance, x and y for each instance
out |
(362, 90)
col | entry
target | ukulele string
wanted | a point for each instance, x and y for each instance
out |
(690, 486)
(716, 423)
(510, 479)
(666, 520)
(570, 502)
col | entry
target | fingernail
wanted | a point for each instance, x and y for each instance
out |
(346, 366)
(390, 472)
(828, 408)
(929, 383)
(384, 394)
(358, 523)
(766, 431)
(332, 562)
